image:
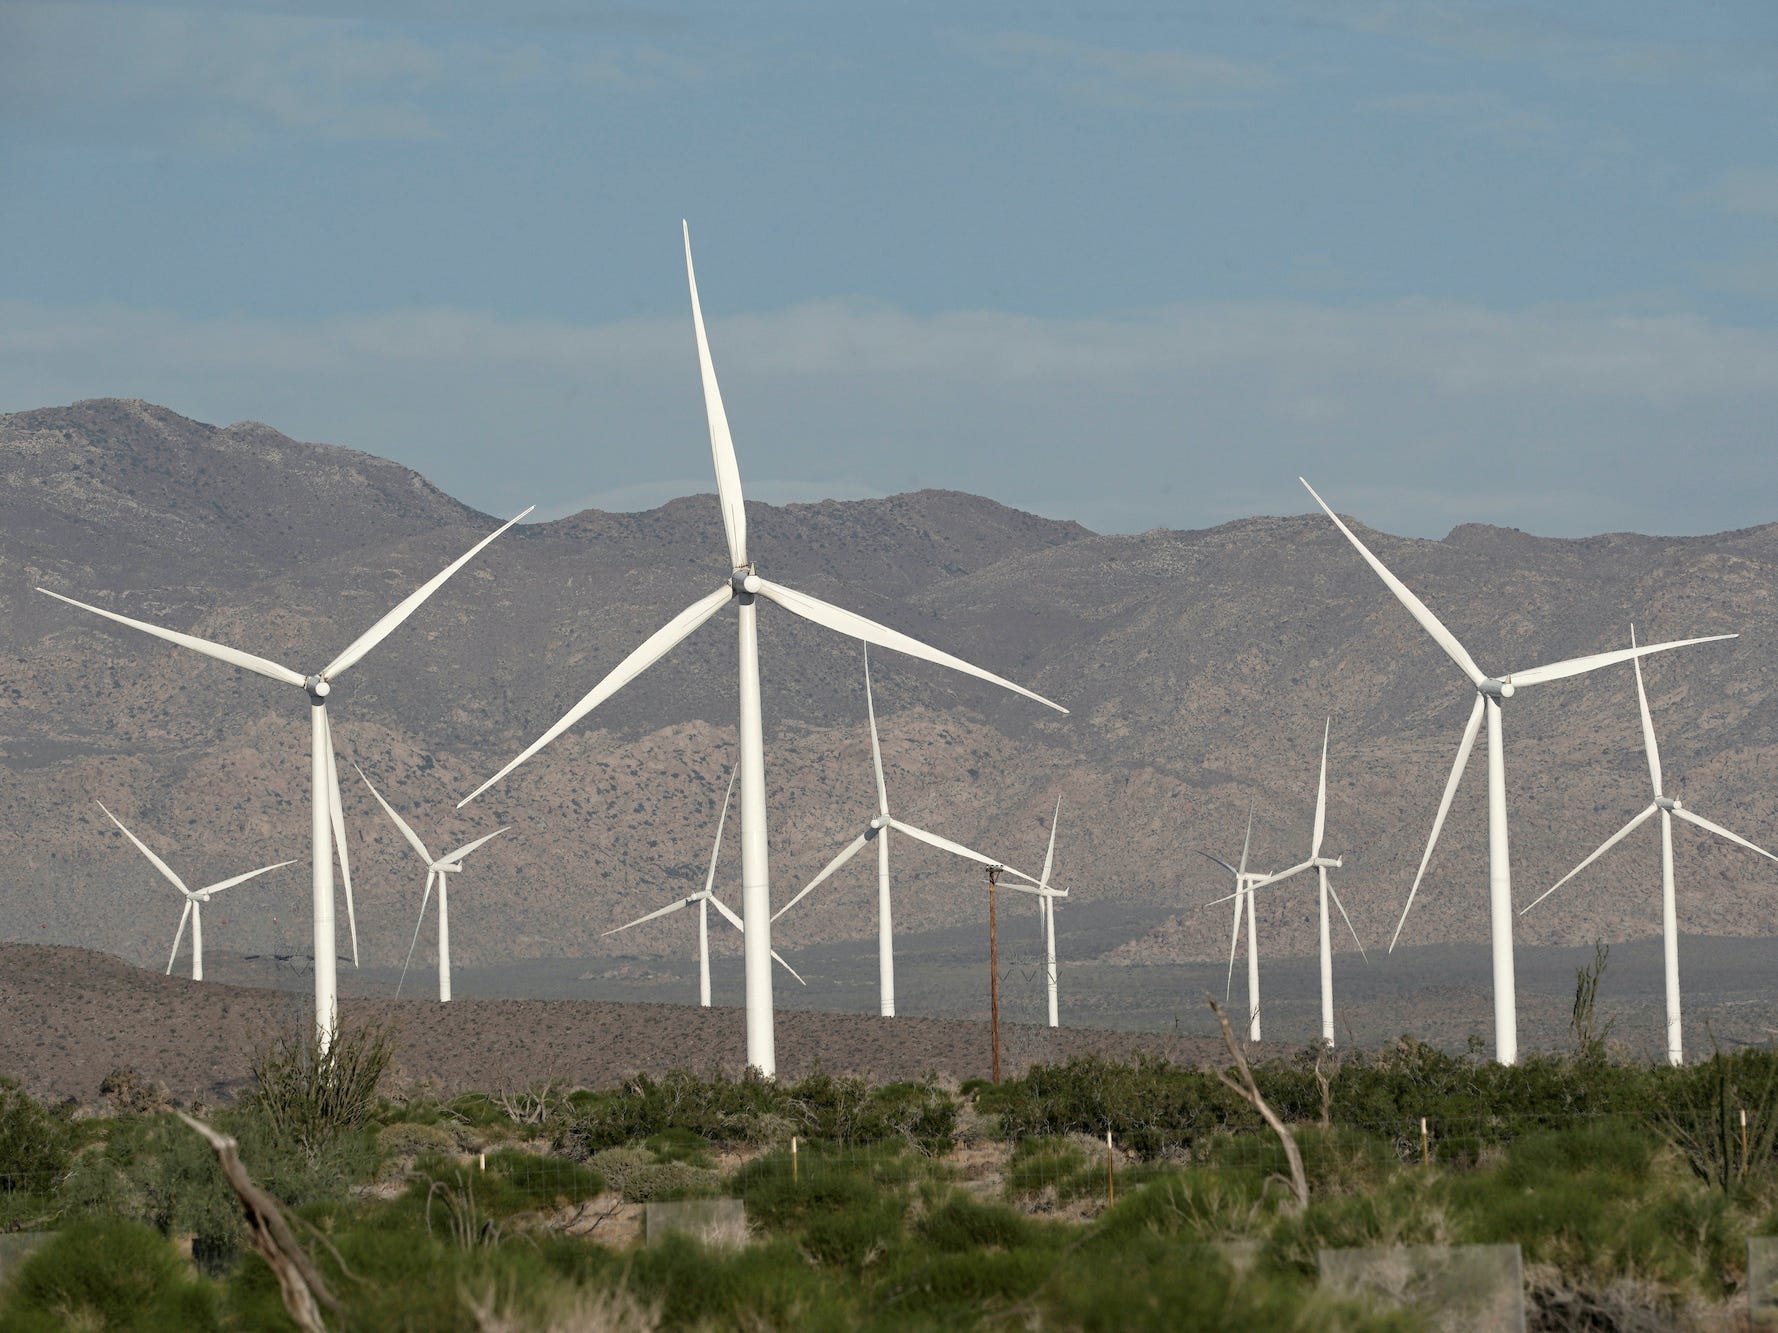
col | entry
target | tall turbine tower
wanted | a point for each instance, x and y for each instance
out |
(1666, 806)
(1243, 898)
(744, 587)
(1491, 692)
(326, 823)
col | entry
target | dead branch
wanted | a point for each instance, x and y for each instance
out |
(298, 1279)
(1248, 1091)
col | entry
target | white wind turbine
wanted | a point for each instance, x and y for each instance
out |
(1243, 896)
(1491, 691)
(1320, 865)
(194, 898)
(1666, 806)
(1047, 900)
(327, 825)
(437, 867)
(705, 898)
(877, 831)
(743, 586)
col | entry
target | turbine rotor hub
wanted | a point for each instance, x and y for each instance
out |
(879, 821)
(1666, 803)
(1496, 689)
(317, 687)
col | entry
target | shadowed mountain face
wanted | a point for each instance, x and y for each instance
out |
(1199, 666)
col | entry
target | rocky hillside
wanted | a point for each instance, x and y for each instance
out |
(1199, 666)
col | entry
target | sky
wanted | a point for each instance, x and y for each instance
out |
(1139, 265)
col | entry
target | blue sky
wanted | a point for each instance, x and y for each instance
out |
(1138, 265)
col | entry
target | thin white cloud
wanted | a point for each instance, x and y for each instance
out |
(1506, 122)
(1747, 191)
(1560, 419)
(1115, 76)
(219, 78)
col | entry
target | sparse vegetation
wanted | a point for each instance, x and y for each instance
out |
(1628, 1189)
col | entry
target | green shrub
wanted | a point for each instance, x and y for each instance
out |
(114, 1274)
(407, 1140)
(34, 1145)
(312, 1096)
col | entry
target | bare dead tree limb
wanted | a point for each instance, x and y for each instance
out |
(1249, 1092)
(299, 1281)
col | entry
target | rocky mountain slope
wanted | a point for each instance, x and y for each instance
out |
(1199, 666)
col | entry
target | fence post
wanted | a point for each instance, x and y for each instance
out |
(1110, 1173)
(1425, 1144)
(1743, 1141)
(793, 1167)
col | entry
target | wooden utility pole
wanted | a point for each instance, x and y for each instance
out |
(993, 974)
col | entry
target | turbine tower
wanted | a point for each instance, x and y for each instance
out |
(705, 898)
(1667, 807)
(327, 825)
(194, 898)
(877, 831)
(1491, 692)
(1047, 900)
(744, 587)
(1321, 865)
(451, 863)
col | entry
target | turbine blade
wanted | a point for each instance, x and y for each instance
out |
(1599, 851)
(722, 444)
(1219, 861)
(336, 814)
(779, 960)
(876, 748)
(233, 656)
(849, 622)
(1049, 857)
(468, 847)
(1416, 608)
(652, 649)
(1718, 829)
(142, 847)
(407, 831)
(852, 849)
(1234, 938)
(723, 907)
(1247, 841)
(416, 939)
(179, 935)
(956, 849)
(721, 819)
(1650, 747)
(658, 912)
(1348, 920)
(1464, 747)
(1574, 666)
(1282, 875)
(242, 879)
(408, 605)
(1321, 796)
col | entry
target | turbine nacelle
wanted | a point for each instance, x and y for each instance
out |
(317, 687)
(1496, 689)
(1666, 803)
(879, 822)
(744, 581)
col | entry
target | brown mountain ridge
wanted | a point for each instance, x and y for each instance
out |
(1199, 667)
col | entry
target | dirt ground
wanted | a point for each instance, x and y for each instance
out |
(73, 1016)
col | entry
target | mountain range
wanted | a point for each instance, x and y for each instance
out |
(1199, 666)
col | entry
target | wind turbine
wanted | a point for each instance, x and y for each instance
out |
(743, 586)
(194, 898)
(1491, 692)
(1047, 900)
(451, 863)
(705, 898)
(1243, 894)
(1666, 806)
(327, 824)
(1321, 865)
(877, 831)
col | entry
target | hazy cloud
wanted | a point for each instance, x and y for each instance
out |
(1114, 76)
(1557, 419)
